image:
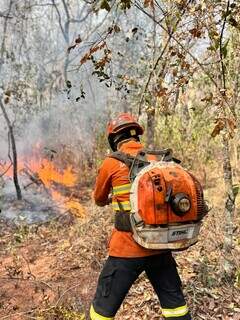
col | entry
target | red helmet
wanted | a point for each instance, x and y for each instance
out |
(123, 123)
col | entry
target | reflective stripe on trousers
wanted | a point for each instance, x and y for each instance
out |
(96, 316)
(167, 313)
(175, 312)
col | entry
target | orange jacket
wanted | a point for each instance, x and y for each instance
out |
(113, 177)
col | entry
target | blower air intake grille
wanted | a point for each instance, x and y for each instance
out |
(201, 206)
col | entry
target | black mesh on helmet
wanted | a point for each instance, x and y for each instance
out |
(114, 139)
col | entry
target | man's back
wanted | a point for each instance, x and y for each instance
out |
(113, 174)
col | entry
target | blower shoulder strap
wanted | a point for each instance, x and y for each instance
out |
(141, 157)
(123, 157)
(163, 155)
(138, 162)
(134, 163)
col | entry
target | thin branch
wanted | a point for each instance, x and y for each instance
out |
(151, 73)
(170, 36)
(158, 5)
(9, 147)
(192, 56)
(40, 5)
(3, 15)
(4, 34)
(3, 173)
(13, 149)
(59, 19)
(66, 291)
(35, 281)
(181, 45)
(66, 9)
(221, 47)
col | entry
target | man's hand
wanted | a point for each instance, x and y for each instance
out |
(104, 203)
(109, 200)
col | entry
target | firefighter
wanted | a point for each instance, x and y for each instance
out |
(127, 260)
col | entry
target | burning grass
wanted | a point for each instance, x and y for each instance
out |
(46, 176)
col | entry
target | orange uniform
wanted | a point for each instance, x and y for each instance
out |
(113, 177)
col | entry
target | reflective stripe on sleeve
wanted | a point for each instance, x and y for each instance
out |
(175, 312)
(123, 189)
(121, 205)
(96, 316)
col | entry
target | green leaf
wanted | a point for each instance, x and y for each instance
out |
(105, 5)
(224, 48)
(236, 188)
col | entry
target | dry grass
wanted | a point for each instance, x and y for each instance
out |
(50, 272)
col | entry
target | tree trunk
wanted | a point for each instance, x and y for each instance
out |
(151, 129)
(1, 193)
(227, 264)
(14, 152)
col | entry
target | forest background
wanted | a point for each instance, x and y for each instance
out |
(66, 67)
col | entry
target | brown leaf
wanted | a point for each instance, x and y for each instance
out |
(180, 55)
(232, 124)
(185, 65)
(161, 92)
(218, 128)
(6, 99)
(208, 97)
(78, 40)
(196, 32)
(102, 45)
(175, 72)
(233, 22)
(85, 58)
(148, 3)
(71, 47)
(94, 49)
(116, 28)
(182, 80)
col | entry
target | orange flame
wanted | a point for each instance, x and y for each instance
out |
(46, 172)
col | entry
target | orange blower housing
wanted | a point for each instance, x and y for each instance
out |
(157, 188)
(167, 202)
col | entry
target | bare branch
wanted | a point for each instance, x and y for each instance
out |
(3, 15)
(6, 170)
(40, 5)
(59, 19)
(187, 51)
(221, 47)
(170, 36)
(66, 9)
(14, 150)
(151, 74)
(4, 34)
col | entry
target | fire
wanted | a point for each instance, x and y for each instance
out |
(53, 179)
(49, 174)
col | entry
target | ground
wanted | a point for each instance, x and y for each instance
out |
(50, 271)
